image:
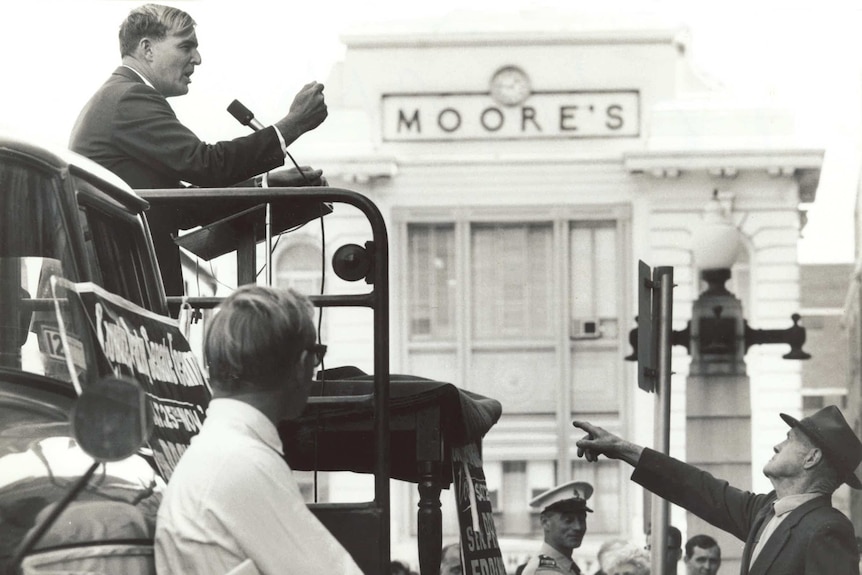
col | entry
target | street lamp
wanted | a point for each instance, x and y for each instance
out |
(717, 325)
(715, 243)
(718, 335)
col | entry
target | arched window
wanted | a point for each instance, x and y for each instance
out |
(298, 266)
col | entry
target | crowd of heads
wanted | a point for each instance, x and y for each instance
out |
(702, 556)
(626, 559)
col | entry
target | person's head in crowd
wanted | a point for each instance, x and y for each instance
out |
(450, 560)
(564, 515)
(260, 348)
(629, 559)
(605, 550)
(674, 549)
(702, 555)
(161, 42)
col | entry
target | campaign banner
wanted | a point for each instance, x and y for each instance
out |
(480, 550)
(152, 349)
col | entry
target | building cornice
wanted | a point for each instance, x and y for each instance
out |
(777, 162)
(522, 27)
(373, 39)
(802, 164)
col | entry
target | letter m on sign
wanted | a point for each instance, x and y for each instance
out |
(409, 123)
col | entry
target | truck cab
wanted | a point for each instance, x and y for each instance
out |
(66, 218)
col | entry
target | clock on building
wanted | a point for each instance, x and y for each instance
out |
(510, 86)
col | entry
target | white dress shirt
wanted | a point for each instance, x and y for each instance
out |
(782, 507)
(232, 497)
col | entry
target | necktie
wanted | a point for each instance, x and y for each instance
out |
(759, 540)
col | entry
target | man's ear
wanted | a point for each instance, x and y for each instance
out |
(145, 49)
(814, 456)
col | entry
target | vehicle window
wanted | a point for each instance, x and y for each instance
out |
(32, 222)
(33, 340)
(115, 254)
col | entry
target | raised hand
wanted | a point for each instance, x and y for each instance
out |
(309, 106)
(598, 441)
(307, 112)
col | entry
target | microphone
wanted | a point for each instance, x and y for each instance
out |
(246, 117)
(243, 115)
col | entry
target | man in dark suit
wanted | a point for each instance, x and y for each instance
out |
(791, 530)
(129, 127)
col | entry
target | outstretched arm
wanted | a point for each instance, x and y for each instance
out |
(600, 442)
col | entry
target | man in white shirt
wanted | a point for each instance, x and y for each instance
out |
(232, 500)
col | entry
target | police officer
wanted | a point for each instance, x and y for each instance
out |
(564, 522)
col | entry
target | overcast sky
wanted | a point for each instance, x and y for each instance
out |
(56, 53)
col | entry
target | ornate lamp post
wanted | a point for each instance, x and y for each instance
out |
(718, 335)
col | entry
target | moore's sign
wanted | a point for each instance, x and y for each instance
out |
(598, 114)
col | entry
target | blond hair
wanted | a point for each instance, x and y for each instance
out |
(258, 334)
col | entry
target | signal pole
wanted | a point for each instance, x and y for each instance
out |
(655, 331)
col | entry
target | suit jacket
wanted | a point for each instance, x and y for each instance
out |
(131, 129)
(815, 538)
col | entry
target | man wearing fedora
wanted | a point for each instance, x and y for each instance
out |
(792, 530)
(564, 523)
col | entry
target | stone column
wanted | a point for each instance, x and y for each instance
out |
(718, 401)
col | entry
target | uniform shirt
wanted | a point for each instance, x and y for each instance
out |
(549, 560)
(232, 497)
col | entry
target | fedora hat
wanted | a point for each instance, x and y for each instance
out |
(829, 431)
(569, 497)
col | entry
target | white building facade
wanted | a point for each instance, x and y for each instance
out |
(524, 164)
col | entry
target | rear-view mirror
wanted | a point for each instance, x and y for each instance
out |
(112, 418)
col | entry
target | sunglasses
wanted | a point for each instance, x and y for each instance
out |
(317, 351)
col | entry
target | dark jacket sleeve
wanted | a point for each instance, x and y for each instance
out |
(713, 500)
(145, 127)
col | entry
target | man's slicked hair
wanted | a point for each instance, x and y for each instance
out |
(151, 21)
(701, 541)
(256, 337)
